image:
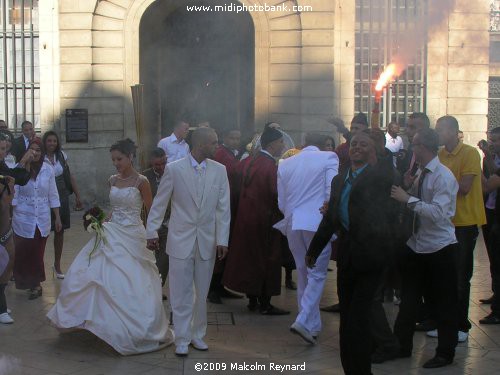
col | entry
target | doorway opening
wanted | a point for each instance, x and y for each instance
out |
(197, 66)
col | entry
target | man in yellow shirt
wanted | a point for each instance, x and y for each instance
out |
(465, 164)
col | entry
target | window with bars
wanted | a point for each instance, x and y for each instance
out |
(379, 27)
(19, 63)
(494, 103)
(494, 15)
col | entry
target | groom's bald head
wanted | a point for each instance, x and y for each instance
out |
(204, 141)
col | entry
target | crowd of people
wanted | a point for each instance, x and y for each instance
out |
(222, 221)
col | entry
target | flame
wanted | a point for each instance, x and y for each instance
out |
(387, 75)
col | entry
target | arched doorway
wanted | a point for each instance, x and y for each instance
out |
(198, 66)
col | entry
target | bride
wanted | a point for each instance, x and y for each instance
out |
(116, 292)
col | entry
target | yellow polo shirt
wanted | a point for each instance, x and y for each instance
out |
(465, 160)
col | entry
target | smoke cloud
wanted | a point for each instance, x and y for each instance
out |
(409, 43)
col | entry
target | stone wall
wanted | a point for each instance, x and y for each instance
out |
(304, 70)
(457, 79)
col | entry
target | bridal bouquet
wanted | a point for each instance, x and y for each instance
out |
(93, 220)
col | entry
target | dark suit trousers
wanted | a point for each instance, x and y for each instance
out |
(356, 291)
(466, 237)
(439, 270)
(494, 255)
(489, 242)
(382, 335)
(161, 255)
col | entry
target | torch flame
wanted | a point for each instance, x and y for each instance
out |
(385, 77)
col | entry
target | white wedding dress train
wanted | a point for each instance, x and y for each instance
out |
(117, 296)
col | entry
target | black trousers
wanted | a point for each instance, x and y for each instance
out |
(161, 255)
(494, 255)
(466, 237)
(383, 338)
(440, 271)
(489, 241)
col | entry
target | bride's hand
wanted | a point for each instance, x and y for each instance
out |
(221, 252)
(153, 244)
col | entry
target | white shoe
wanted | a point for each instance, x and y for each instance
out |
(300, 330)
(5, 318)
(181, 350)
(9, 311)
(433, 333)
(199, 344)
(463, 336)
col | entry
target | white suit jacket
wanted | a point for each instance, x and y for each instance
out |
(304, 184)
(207, 223)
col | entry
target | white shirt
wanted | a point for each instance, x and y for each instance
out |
(436, 209)
(174, 148)
(32, 203)
(10, 160)
(26, 142)
(304, 184)
(57, 166)
(196, 165)
(393, 144)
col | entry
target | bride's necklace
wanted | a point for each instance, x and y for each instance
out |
(126, 178)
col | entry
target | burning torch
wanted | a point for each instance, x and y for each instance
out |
(382, 82)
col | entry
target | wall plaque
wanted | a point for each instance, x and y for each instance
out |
(77, 125)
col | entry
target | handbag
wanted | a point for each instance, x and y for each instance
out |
(66, 173)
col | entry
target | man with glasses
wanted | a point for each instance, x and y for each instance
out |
(416, 121)
(429, 254)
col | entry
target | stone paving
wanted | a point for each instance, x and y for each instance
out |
(31, 346)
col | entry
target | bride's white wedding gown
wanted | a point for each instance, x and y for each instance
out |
(117, 297)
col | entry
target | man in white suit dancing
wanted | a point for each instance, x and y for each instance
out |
(198, 232)
(304, 183)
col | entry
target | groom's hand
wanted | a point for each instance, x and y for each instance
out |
(153, 244)
(221, 252)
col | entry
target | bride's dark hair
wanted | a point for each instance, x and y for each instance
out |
(125, 146)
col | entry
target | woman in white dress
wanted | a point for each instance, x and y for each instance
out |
(116, 292)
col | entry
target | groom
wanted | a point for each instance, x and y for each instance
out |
(198, 232)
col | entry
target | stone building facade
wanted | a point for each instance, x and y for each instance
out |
(302, 69)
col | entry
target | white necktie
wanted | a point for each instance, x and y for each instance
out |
(199, 182)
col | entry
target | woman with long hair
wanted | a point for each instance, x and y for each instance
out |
(31, 222)
(58, 160)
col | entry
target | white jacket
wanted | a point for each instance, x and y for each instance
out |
(208, 223)
(32, 203)
(304, 184)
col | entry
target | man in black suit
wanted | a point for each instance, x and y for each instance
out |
(21, 144)
(158, 161)
(357, 213)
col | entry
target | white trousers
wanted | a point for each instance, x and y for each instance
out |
(310, 282)
(189, 281)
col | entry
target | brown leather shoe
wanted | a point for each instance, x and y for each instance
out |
(487, 301)
(333, 308)
(490, 319)
(273, 310)
(437, 362)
